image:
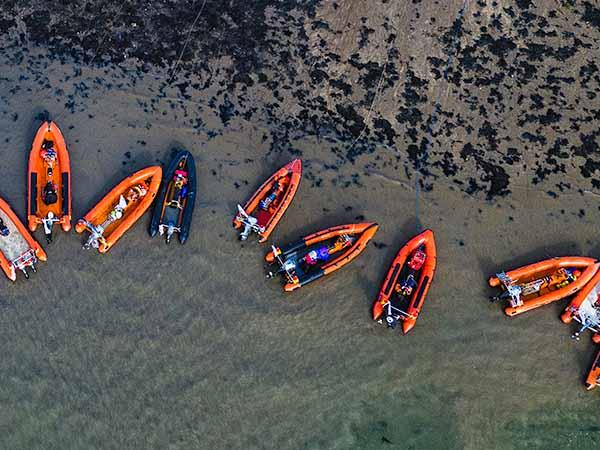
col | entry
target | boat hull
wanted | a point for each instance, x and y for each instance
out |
(291, 173)
(364, 231)
(416, 301)
(594, 374)
(18, 242)
(37, 209)
(150, 177)
(588, 266)
(184, 219)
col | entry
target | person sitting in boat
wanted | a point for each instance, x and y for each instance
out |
(49, 194)
(323, 252)
(180, 190)
(314, 256)
(49, 155)
(4, 231)
(267, 206)
(416, 261)
(48, 152)
(269, 200)
(180, 178)
(133, 194)
(406, 287)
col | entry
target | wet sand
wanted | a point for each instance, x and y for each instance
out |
(179, 347)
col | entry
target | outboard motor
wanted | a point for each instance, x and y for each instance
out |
(512, 292)
(95, 235)
(249, 223)
(390, 319)
(170, 230)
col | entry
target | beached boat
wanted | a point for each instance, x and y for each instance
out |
(539, 284)
(120, 209)
(407, 282)
(18, 249)
(319, 254)
(175, 201)
(267, 205)
(49, 186)
(593, 377)
(585, 309)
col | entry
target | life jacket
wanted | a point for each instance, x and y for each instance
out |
(314, 256)
(180, 177)
(406, 286)
(417, 260)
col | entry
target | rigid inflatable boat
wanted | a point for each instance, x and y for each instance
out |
(265, 208)
(175, 201)
(18, 249)
(539, 284)
(319, 254)
(49, 185)
(585, 309)
(407, 282)
(120, 209)
(593, 377)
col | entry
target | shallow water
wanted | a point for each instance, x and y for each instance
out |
(179, 347)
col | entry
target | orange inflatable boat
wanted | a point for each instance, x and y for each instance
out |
(593, 377)
(407, 282)
(120, 208)
(585, 309)
(265, 208)
(18, 249)
(319, 254)
(539, 284)
(49, 186)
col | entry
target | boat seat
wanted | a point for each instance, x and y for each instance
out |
(175, 204)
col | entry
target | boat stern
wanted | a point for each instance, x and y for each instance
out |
(378, 309)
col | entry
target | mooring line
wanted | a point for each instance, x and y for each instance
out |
(187, 41)
(437, 108)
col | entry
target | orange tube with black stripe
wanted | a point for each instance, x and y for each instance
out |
(49, 166)
(363, 233)
(583, 308)
(547, 268)
(594, 374)
(282, 187)
(416, 300)
(95, 221)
